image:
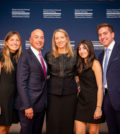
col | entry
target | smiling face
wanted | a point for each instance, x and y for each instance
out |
(13, 43)
(106, 36)
(60, 40)
(83, 51)
(37, 39)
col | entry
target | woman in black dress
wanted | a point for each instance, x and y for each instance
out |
(61, 85)
(8, 61)
(89, 106)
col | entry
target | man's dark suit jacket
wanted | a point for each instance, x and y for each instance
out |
(31, 83)
(113, 76)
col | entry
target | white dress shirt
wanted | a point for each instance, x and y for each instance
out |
(110, 47)
(36, 53)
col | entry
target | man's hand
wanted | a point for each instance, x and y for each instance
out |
(29, 113)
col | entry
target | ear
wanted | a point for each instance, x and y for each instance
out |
(113, 35)
(30, 39)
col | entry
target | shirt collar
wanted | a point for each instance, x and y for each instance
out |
(110, 47)
(36, 52)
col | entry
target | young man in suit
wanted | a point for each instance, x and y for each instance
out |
(31, 83)
(110, 61)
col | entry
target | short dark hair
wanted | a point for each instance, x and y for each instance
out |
(105, 25)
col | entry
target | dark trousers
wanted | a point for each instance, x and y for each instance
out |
(112, 116)
(31, 126)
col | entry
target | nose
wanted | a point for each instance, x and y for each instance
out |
(39, 39)
(15, 41)
(102, 36)
(59, 40)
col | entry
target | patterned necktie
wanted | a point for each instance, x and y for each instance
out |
(43, 64)
(105, 66)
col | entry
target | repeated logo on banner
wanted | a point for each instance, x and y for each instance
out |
(20, 13)
(113, 13)
(52, 13)
(79, 19)
(83, 13)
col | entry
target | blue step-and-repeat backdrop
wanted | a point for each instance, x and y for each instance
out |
(78, 18)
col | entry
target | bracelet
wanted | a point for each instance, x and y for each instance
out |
(99, 111)
(98, 106)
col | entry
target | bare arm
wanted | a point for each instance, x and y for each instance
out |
(78, 84)
(98, 75)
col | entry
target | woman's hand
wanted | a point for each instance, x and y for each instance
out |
(97, 113)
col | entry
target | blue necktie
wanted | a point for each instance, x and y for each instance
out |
(105, 66)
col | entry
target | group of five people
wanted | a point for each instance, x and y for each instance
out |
(73, 87)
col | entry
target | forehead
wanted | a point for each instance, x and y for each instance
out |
(59, 33)
(37, 33)
(82, 45)
(13, 36)
(102, 29)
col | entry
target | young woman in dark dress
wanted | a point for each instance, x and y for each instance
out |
(8, 63)
(89, 106)
(62, 86)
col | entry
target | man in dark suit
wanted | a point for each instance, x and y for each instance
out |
(110, 60)
(31, 83)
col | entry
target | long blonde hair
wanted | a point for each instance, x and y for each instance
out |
(7, 64)
(68, 45)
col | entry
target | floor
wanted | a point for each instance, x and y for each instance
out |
(15, 129)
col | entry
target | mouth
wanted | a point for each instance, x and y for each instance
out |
(104, 40)
(39, 44)
(15, 46)
(60, 44)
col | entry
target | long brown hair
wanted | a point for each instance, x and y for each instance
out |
(7, 64)
(54, 47)
(81, 64)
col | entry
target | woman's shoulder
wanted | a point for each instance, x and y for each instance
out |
(48, 54)
(96, 64)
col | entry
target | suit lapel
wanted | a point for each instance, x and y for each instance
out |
(113, 55)
(35, 59)
(101, 58)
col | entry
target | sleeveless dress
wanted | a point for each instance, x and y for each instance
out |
(8, 91)
(87, 98)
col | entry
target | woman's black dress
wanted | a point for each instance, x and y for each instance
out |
(8, 91)
(87, 98)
